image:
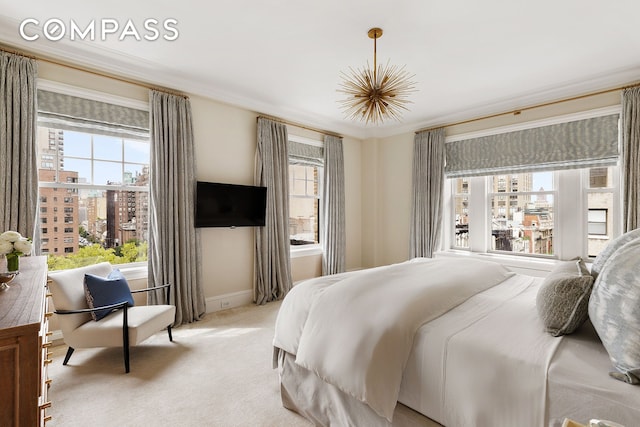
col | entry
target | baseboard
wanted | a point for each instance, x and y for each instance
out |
(227, 301)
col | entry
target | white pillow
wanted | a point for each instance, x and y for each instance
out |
(610, 249)
(614, 310)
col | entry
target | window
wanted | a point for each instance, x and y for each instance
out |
(461, 212)
(306, 158)
(101, 174)
(524, 215)
(597, 222)
(304, 204)
(92, 150)
(601, 196)
(522, 219)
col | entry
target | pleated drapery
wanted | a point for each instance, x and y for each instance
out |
(427, 192)
(272, 264)
(174, 249)
(18, 146)
(631, 158)
(333, 208)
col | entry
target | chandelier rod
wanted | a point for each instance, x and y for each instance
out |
(375, 52)
(374, 34)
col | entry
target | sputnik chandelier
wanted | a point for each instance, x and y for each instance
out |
(374, 95)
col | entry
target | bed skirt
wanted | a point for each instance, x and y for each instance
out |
(323, 404)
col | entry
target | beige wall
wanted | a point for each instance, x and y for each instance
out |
(225, 139)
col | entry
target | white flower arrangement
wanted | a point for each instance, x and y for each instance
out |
(13, 245)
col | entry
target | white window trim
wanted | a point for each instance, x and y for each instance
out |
(305, 250)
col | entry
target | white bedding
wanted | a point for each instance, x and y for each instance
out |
(358, 332)
(486, 362)
(467, 366)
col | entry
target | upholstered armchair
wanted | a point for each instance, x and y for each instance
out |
(79, 294)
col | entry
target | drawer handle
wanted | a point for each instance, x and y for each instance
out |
(48, 334)
(47, 361)
(48, 314)
(48, 382)
(47, 344)
(49, 295)
(47, 418)
(45, 405)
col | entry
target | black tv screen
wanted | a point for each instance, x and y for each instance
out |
(230, 205)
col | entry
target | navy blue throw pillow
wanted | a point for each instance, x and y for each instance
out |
(101, 291)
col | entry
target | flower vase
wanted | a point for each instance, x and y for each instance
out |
(13, 263)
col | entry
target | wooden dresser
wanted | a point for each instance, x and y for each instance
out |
(24, 347)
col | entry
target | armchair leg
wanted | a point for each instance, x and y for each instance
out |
(68, 355)
(170, 335)
(125, 339)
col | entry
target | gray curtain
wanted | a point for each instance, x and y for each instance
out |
(272, 264)
(427, 192)
(174, 245)
(631, 157)
(18, 146)
(333, 206)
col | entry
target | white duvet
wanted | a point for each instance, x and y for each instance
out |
(355, 331)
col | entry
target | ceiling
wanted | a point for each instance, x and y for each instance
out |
(284, 57)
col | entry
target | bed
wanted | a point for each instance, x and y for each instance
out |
(475, 355)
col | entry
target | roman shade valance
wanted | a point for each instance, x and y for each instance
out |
(305, 154)
(576, 144)
(60, 111)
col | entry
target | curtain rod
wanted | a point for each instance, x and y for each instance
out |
(520, 110)
(298, 125)
(94, 72)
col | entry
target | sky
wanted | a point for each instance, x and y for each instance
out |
(109, 153)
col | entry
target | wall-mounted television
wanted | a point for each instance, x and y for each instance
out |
(230, 205)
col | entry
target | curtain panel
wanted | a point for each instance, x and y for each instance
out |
(578, 144)
(427, 192)
(272, 263)
(333, 203)
(18, 146)
(631, 158)
(60, 111)
(174, 245)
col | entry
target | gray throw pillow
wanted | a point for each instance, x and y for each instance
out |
(563, 297)
(614, 310)
(610, 249)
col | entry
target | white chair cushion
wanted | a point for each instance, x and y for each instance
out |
(144, 321)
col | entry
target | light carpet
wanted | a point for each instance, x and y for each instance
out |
(216, 372)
